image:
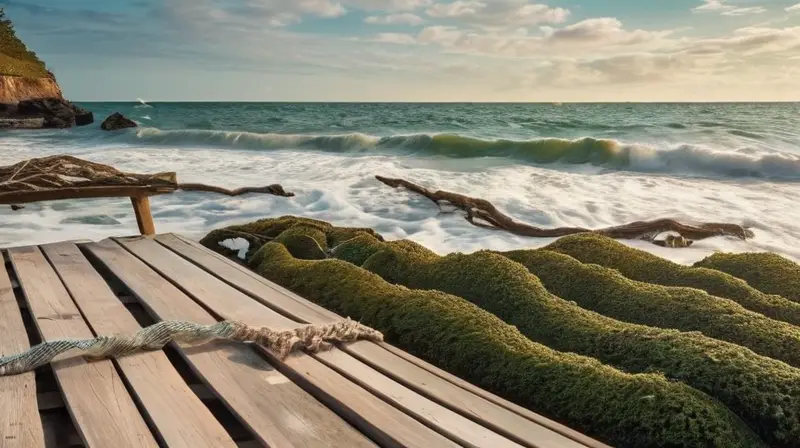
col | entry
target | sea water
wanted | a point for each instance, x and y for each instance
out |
(589, 165)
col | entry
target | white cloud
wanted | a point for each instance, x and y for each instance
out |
(500, 13)
(793, 8)
(600, 31)
(728, 10)
(387, 5)
(745, 11)
(405, 18)
(395, 38)
(713, 5)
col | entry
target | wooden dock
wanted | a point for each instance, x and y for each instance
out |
(221, 394)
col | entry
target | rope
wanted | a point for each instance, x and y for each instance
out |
(313, 338)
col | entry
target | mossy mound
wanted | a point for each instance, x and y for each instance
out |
(607, 292)
(763, 391)
(645, 267)
(642, 410)
(259, 232)
(766, 272)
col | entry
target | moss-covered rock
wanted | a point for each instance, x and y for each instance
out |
(645, 267)
(608, 292)
(763, 391)
(642, 410)
(767, 272)
(257, 233)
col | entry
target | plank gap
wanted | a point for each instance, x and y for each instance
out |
(59, 432)
(235, 429)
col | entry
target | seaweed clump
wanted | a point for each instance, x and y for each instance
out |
(607, 292)
(646, 267)
(642, 410)
(767, 272)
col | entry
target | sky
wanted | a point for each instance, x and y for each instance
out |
(417, 50)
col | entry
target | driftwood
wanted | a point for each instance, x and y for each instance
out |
(483, 213)
(68, 177)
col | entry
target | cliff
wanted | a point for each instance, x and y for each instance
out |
(30, 96)
(14, 89)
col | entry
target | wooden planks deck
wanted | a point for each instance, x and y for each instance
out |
(222, 394)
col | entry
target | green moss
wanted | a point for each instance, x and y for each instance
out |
(643, 410)
(767, 272)
(15, 58)
(763, 391)
(609, 293)
(259, 232)
(645, 267)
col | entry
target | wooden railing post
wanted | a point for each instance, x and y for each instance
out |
(144, 218)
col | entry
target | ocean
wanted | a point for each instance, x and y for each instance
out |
(590, 165)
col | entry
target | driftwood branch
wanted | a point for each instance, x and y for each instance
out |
(67, 177)
(483, 213)
(274, 189)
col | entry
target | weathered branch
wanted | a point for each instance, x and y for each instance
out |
(68, 177)
(492, 218)
(274, 189)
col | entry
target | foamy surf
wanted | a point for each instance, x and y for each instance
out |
(606, 153)
(689, 162)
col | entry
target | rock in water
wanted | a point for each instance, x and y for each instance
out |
(43, 113)
(117, 121)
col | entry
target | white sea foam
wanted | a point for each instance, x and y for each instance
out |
(339, 187)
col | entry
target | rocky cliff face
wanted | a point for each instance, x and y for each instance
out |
(14, 89)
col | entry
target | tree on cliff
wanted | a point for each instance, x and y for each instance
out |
(12, 47)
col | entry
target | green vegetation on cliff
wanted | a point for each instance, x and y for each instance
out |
(643, 410)
(766, 272)
(763, 391)
(607, 292)
(15, 58)
(646, 267)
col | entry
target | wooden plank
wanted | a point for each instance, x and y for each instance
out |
(113, 191)
(233, 304)
(144, 217)
(473, 402)
(532, 416)
(20, 425)
(467, 404)
(101, 408)
(264, 291)
(277, 411)
(178, 415)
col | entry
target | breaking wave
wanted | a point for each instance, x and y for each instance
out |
(606, 153)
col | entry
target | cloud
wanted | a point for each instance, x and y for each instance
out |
(745, 11)
(728, 10)
(713, 5)
(600, 31)
(387, 5)
(395, 38)
(406, 18)
(500, 13)
(793, 8)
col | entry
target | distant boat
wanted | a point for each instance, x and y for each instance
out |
(557, 104)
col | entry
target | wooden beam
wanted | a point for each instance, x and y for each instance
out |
(144, 218)
(112, 191)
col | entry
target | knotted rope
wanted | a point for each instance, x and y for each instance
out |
(313, 338)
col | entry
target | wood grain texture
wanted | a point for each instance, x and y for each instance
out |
(532, 416)
(470, 400)
(238, 306)
(277, 411)
(472, 406)
(101, 408)
(144, 216)
(20, 425)
(245, 280)
(178, 415)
